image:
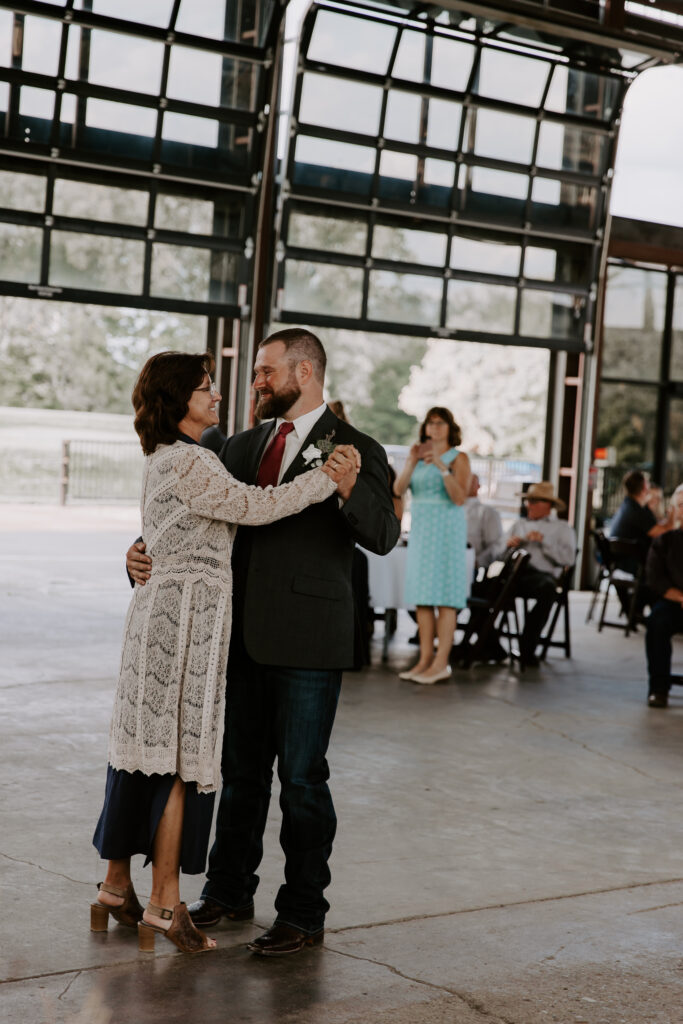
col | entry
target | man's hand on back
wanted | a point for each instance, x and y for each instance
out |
(138, 564)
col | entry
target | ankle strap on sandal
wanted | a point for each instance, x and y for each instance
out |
(112, 890)
(163, 912)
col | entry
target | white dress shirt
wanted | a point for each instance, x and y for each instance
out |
(303, 425)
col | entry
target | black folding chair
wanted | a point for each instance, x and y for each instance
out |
(489, 606)
(625, 584)
(561, 607)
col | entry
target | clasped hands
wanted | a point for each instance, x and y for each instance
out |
(343, 467)
(532, 535)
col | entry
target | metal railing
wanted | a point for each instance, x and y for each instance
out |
(100, 471)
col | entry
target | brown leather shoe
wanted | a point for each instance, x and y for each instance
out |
(205, 912)
(282, 939)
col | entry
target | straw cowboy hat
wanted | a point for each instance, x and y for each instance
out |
(544, 491)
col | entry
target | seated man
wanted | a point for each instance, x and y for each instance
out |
(664, 574)
(551, 543)
(484, 528)
(634, 520)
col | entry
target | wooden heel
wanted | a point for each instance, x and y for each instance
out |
(146, 936)
(99, 917)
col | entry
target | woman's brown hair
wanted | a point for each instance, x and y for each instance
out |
(162, 393)
(454, 433)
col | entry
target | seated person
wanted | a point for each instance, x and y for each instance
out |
(635, 520)
(664, 575)
(551, 543)
(484, 528)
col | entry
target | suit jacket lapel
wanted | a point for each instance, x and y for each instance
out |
(327, 423)
(257, 445)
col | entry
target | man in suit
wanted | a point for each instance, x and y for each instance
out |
(292, 637)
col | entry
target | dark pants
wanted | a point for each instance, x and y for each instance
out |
(542, 588)
(285, 713)
(665, 619)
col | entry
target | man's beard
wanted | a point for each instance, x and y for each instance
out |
(270, 406)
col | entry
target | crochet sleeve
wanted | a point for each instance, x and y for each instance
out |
(207, 489)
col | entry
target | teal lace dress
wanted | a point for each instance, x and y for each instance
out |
(436, 573)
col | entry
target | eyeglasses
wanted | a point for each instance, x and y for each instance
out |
(210, 388)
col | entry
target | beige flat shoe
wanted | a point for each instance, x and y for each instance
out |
(426, 680)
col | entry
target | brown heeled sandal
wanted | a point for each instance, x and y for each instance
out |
(181, 931)
(128, 913)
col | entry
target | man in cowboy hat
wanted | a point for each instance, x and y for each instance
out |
(551, 543)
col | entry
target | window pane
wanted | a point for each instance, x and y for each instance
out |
(99, 202)
(451, 63)
(677, 342)
(322, 288)
(402, 121)
(476, 306)
(439, 172)
(36, 102)
(627, 421)
(73, 52)
(20, 252)
(557, 203)
(337, 166)
(120, 117)
(151, 12)
(580, 92)
(485, 257)
(674, 448)
(398, 172)
(499, 183)
(208, 78)
(348, 106)
(404, 298)
(125, 62)
(6, 23)
(352, 42)
(633, 323)
(503, 136)
(409, 63)
(42, 38)
(548, 315)
(96, 262)
(540, 263)
(22, 191)
(178, 213)
(443, 124)
(563, 147)
(195, 131)
(197, 275)
(327, 233)
(409, 245)
(512, 77)
(202, 18)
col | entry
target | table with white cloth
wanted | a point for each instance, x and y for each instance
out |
(386, 583)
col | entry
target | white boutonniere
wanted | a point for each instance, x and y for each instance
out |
(319, 451)
(312, 456)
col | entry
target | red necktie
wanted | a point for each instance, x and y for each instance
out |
(269, 470)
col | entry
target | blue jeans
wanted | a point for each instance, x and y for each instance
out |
(665, 619)
(285, 713)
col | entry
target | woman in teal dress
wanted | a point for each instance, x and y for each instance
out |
(438, 475)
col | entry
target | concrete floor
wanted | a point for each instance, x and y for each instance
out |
(510, 849)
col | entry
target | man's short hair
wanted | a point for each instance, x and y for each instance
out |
(301, 344)
(634, 482)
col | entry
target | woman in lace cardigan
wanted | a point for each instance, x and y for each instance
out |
(167, 725)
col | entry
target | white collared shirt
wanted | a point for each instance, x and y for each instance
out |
(303, 425)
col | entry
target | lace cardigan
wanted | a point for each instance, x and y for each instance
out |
(170, 698)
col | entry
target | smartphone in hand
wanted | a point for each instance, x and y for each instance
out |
(424, 449)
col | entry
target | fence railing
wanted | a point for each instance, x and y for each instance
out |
(100, 471)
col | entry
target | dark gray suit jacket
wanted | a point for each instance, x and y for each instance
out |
(292, 602)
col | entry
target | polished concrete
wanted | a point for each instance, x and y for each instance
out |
(510, 848)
